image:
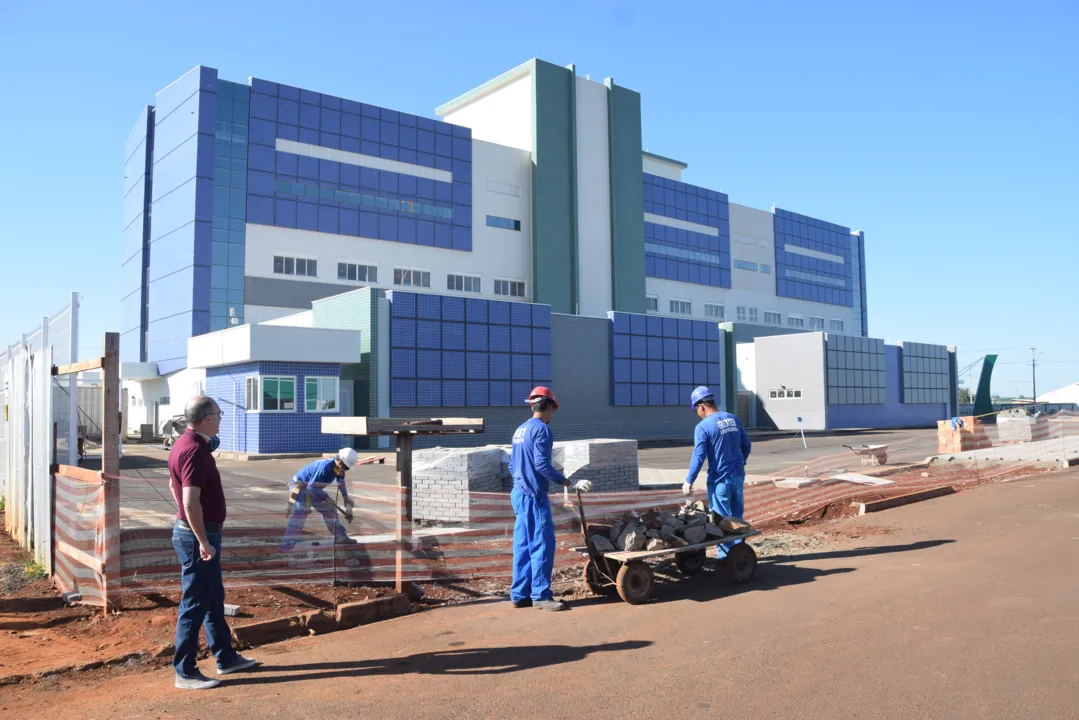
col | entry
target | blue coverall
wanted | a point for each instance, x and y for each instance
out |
(722, 439)
(313, 479)
(533, 531)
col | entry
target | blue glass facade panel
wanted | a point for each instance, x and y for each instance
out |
(454, 351)
(654, 360)
(684, 255)
(805, 268)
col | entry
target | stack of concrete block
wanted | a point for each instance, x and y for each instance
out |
(971, 436)
(610, 464)
(1018, 427)
(442, 479)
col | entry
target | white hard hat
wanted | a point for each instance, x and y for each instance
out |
(348, 457)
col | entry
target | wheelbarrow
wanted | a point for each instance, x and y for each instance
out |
(870, 454)
(628, 573)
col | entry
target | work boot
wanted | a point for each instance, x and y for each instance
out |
(198, 681)
(553, 605)
(522, 603)
(346, 540)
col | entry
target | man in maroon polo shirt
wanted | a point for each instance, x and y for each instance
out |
(200, 499)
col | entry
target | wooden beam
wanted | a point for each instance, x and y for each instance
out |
(110, 470)
(905, 499)
(404, 509)
(92, 364)
(393, 426)
(80, 474)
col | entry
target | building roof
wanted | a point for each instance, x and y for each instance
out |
(1066, 394)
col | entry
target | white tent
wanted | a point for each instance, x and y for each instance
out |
(1066, 394)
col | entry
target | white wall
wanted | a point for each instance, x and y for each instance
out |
(502, 116)
(496, 253)
(283, 343)
(141, 396)
(255, 314)
(752, 240)
(797, 363)
(655, 166)
(304, 319)
(593, 200)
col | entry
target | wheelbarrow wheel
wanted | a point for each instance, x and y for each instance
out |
(689, 564)
(636, 582)
(741, 563)
(594, 580)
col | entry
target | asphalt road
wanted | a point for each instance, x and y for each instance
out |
(966, 610)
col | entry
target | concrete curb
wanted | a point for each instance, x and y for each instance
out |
(129, 658)
(318, 622)
(907, 499)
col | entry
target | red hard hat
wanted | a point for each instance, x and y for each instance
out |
(541, 392)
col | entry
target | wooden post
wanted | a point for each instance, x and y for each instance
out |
(110, 470)
(404, 507)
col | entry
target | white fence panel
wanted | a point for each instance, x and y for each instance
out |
(41, 455)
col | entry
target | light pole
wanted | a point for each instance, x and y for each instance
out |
(1033, 376)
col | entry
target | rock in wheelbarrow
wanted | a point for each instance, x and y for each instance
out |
(655, 544)
(732, 524)
(713, 531)
(695, 534)
(632, 538)
(601, 544)
(673, 541)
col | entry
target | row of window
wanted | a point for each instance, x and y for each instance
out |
(745, 314)
(504, 223)
(752, 266)
(270, 393)
(784, 393)
(286, 265)
(363, 199)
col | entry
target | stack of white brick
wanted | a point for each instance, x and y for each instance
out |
(442, 478)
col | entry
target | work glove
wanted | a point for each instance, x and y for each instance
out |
(687, 489)
(583, 486)
(348, 514)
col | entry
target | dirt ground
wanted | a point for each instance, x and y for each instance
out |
(38, 633)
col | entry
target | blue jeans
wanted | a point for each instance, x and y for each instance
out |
(727, 497)
(533, 547)
(323, 504)
(202, 603)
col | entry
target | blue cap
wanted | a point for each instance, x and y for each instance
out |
(701, 393)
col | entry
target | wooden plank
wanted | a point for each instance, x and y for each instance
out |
(404, 510)
(80, 474)
(629, 555)
(110, 470)
(391, 426)
(92, 364)
(905, 499)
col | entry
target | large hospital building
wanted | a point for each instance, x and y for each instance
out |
(253, 208)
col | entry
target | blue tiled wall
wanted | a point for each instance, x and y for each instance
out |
(181, 216)
(138, 186)
(257, 432)
(685, 255)
(659, 360)
(808, 278)
(452, 351)
(289, 190)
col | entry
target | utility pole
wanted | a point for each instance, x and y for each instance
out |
(1034, 375)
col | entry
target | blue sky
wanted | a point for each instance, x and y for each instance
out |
(945, 131)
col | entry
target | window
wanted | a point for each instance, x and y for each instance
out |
(766, 269)
(816, 323)
(285, 265)
(504, 223)
(653, 302)
(771, 317)
(463, 283)
(355, 198)
(783, 394)
(251, 393)
(835, 325)
(745, 265)
(681, 307)
(513, 288)
(320, 394)
(411, 278)
(359, 273)
(269, 393)
(753, 316)
(713, 311)
(740, 313)
(796, 321)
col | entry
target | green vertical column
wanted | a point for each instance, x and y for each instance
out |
(627, 203)
(554, 187)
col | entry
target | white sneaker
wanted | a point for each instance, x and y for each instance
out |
(196, 682)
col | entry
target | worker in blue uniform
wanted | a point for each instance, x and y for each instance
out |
(533, 531)
(722, 439)
(307, 491)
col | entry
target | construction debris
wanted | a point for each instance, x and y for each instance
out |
(796, 483)
(601, 544)
(859, 479)
(658, 530)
